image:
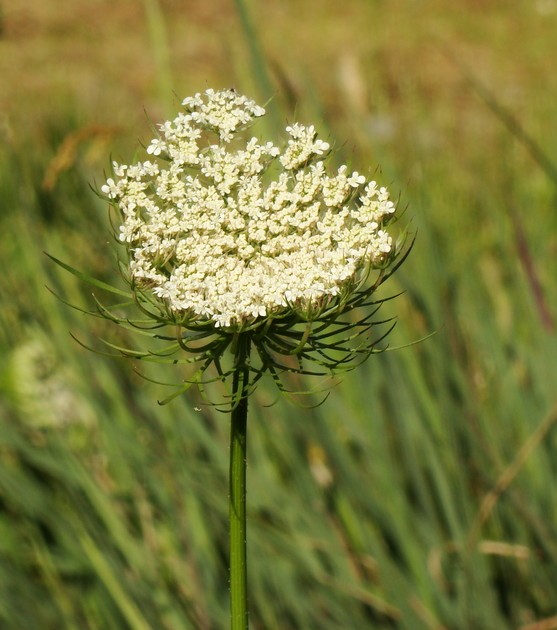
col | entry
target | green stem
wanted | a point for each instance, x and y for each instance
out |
(237, 480)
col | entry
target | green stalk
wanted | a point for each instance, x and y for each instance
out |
(237, 480)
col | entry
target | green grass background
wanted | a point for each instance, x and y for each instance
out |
(422, 494)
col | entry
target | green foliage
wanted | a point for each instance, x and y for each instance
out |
(422, 493)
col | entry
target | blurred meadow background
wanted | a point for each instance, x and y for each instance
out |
(423, 493)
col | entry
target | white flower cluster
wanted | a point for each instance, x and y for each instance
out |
(232, 232)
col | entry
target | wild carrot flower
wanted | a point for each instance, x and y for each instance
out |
(226, 233)
(259, 257)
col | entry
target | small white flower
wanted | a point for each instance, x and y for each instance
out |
(302, 146)
(156, 147)
(356, 179)
(109, 188)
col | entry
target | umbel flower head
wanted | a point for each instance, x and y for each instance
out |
(228, 237)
